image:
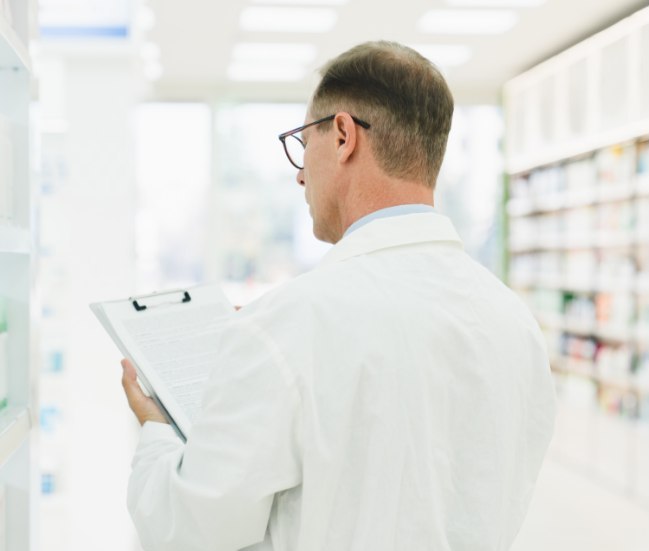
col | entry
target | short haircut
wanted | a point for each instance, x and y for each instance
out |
(404, 98)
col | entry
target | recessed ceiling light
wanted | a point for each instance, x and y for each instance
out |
(304, 20)
(145, 18)
(270, 51)
(467, 21)
(495, 3)
(265, 72)
(302, 2)
(445, 55)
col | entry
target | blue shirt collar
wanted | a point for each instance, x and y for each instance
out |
(388, 212)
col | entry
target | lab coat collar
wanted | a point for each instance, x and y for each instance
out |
(395, 231)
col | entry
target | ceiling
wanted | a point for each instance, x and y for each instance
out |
(196, 40)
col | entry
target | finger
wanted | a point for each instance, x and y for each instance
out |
(144, 407)
(129, 369)
(134, 393)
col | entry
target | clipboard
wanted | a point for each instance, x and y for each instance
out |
(171, 338)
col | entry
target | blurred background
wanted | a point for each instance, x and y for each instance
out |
(139, 152)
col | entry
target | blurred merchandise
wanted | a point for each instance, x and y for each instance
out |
(4, 353)
(578, 243)
(642, 167)
(6, 171)
(616, 166)
(615, 309)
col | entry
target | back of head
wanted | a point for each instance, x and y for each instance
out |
(401, 95)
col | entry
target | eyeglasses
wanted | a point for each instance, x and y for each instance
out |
(294, 148)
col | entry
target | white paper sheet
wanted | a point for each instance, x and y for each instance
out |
(172, 344)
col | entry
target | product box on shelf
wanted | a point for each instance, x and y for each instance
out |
(615, 166)
(642, 167)
(579, 269)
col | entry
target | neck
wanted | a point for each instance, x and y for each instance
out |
(383, 193)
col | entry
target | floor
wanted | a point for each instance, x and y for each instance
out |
(569, 512)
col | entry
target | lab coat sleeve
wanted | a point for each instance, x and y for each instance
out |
(216, 491)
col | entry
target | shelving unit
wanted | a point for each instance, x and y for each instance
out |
(577, 157)
(17, 375)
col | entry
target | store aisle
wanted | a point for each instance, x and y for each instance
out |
(569, 512)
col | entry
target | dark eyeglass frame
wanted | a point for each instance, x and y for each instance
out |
(284, 135)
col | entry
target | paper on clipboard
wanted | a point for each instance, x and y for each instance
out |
(171, 338)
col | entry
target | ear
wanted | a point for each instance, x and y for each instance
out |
(345, 132)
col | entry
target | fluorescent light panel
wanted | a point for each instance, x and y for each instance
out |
(445, 55)
(302, 2)
(445, 22)
(301, 20)
(274, 51)
(495, 3)
(265, 72)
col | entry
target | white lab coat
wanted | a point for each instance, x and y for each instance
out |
(398, 397)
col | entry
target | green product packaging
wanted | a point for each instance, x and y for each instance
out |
(3, 314)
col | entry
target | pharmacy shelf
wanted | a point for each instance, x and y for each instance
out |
(578, 147)
(13, 52)
(579, 367)
(571, 199)
(583, 285)
(15, 425)
(566, 242)
(577, 155)
(573, 366)
(15, 240)
(617, 334)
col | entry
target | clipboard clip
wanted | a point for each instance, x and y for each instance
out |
(139, 307)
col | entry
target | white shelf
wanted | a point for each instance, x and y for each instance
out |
(613, 333)
(572, 199)
(578, 146)
(573, 366)
(583, 328)
(15, 240)
(552, 202)
(550, 282)
(13, 52)
(567, 365)
(574, 124)
(15, 425)
(598, 240)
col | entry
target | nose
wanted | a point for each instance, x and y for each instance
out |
(300, 177)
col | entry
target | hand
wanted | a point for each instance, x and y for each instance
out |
(145, 408)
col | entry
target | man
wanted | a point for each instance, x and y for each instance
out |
(398, 397)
